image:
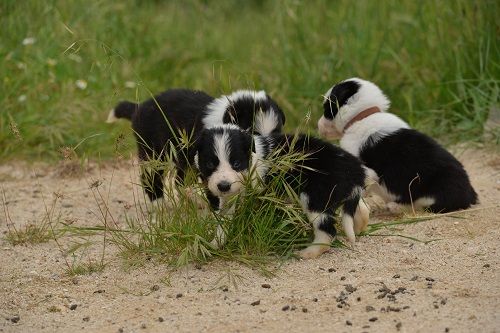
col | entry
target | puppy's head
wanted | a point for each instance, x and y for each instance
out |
(344, 101)
(253, 111)
(223, 158)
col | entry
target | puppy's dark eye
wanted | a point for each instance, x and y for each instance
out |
(236, 164)
(209, 165)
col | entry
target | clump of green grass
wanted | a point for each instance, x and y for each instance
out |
(32, 233)
(29, 234)
(85, 268)
(267, 224)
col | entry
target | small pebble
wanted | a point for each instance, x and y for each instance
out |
(358, 299)
(372, 319)
(446, 329)
(342, 278)
(143, 326)
(443, 301)
(285, 308)
(415, 278)
(266, 285)
(255, 303)
(314, 299)
(73, 307)
(330, 270)
(348, 323)
(366, 326)
(406, 307)
(155, 287)
(86, 318)
(161, 320)
(120, 330)
(350, 289)
(304, 310)
(100, 291)
(429, 279)
(486, 265)
(179, 295)
(15, 319)
(224, 289)
(398, 326)
(397, 276)
(369, 308)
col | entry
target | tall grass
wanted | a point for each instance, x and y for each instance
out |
(437, 60)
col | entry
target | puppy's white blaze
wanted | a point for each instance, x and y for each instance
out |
(218, 107)
(111, 117)
(222, 147)
(266, 122)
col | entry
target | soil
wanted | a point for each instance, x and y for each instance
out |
(386, 284)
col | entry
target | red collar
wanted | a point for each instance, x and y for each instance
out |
(360, 116)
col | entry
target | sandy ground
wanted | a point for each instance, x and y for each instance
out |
(386, 284)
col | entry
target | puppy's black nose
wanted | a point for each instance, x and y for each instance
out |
(224, 186)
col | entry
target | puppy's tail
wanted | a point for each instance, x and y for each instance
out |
(122, 110)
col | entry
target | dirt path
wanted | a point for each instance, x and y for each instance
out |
(385, 284)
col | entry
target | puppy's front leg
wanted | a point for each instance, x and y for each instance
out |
(324, 231)
(219, 206)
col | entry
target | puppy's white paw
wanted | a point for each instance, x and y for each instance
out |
(394, 207)
(313, 251)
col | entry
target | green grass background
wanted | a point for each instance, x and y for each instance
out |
(437, 60)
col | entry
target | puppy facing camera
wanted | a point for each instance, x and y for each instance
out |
(326, 179)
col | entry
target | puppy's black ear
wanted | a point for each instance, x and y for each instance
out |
(339, 95)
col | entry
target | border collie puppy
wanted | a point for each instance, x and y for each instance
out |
(413, 169)
(161, 123)
(328, 177)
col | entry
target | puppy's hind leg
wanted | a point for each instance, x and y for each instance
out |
(349, 219)
(361, 217)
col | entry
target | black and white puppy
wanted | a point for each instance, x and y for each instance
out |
(161, 123)
(413, 169)
(329, 177)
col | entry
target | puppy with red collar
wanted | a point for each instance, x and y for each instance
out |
(413, 169)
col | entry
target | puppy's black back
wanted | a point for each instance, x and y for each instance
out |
(405, 154)
(328, 174)
(182, 108)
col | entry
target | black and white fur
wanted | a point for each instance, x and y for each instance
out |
(159, 122)
(413, 169)
(329, 177)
